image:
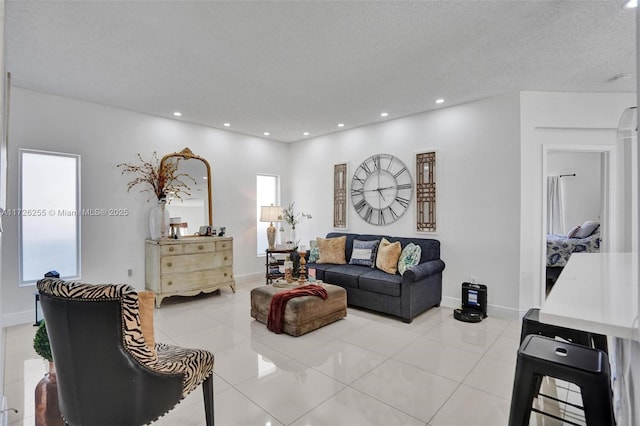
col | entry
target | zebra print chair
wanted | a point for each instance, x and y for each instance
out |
(107, 375)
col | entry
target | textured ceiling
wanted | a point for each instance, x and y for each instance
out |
(294, 67)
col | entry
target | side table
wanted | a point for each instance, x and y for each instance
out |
(273, 267)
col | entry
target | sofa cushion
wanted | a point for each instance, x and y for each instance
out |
(351, 238)
(388, 255)
(332, 250)
(345, 275)
(409, 257)
(380, 282)
(321, 269)
(430, 247)
(314, 252)
(364, 253)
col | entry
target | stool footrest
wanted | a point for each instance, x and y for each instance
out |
(555, 417)
(585, 367)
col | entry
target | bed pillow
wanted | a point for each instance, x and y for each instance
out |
(364, 253)
(388, 255)
(587, 229)
(314, 253)
(409, 257)
(332, 250)
(572, 232)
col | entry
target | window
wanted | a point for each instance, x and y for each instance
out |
(49, 215)
(267, 189)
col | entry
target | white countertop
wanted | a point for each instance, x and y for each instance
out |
(596, 292)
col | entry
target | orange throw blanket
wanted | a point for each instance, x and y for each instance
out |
(279, 302)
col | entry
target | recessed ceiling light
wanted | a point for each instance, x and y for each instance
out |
(341, 125)
(266, 133)
(384, 114)
(227, 124)
(177, 114)
(631, 4)
(305, 134)
(440, 101)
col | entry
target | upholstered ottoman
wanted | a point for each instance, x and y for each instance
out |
(302, 314)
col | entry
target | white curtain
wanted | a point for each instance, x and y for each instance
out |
(555, 209)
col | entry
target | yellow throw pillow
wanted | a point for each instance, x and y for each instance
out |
(388, 255)
(146, 300)
(332, 250)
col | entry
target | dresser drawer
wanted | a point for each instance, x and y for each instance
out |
(200, 247)
(171, 283)
(195, 262)
(223, 258)
(224, 245)
(171, 249)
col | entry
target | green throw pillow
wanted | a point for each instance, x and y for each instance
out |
(409, 257)
(314, 252)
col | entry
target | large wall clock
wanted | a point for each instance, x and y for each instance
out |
(381, 189)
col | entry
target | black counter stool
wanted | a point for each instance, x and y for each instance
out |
(531, 325)
(586, 367)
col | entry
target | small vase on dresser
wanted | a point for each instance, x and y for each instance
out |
(159, 220)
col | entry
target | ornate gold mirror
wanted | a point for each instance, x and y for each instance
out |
(194, 204)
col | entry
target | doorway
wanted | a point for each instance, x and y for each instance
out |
(590, 195)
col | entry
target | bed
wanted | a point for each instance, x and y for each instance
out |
(560, 247)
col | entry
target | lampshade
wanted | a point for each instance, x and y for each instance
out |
(270, 214)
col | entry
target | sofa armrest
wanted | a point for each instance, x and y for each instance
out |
(424, 270)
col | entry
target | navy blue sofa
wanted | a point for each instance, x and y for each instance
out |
(404, 296)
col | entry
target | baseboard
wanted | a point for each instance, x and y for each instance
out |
(492, 310)
(18, 318)
(248, 278)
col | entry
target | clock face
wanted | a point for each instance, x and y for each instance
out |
(381, 189)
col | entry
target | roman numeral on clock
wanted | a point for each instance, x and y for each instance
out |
(392, 213)
(376, 162)
(360, 205)
(367, 215)
(399, 172)
(402, 201)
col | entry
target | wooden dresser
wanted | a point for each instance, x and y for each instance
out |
(188, 266)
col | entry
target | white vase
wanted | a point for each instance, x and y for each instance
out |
(293, 237)
(159, 220)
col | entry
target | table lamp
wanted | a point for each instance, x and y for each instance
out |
(271, 214)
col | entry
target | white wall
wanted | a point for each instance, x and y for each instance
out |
(489, 182)
(478, 184)
(555, 118)
(3, 187)
(104, 137)
(582, 192)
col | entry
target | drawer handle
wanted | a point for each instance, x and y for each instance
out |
(170, 283)
(169, 264)
(225, 274)
(224, 245)
(200, 247)
(171, 248)
(226, 258)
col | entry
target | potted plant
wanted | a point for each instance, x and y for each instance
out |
(41, 343)
(47, 410)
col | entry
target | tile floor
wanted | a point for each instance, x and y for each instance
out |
(366, 369)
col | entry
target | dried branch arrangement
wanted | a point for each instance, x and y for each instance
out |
(164, 179)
